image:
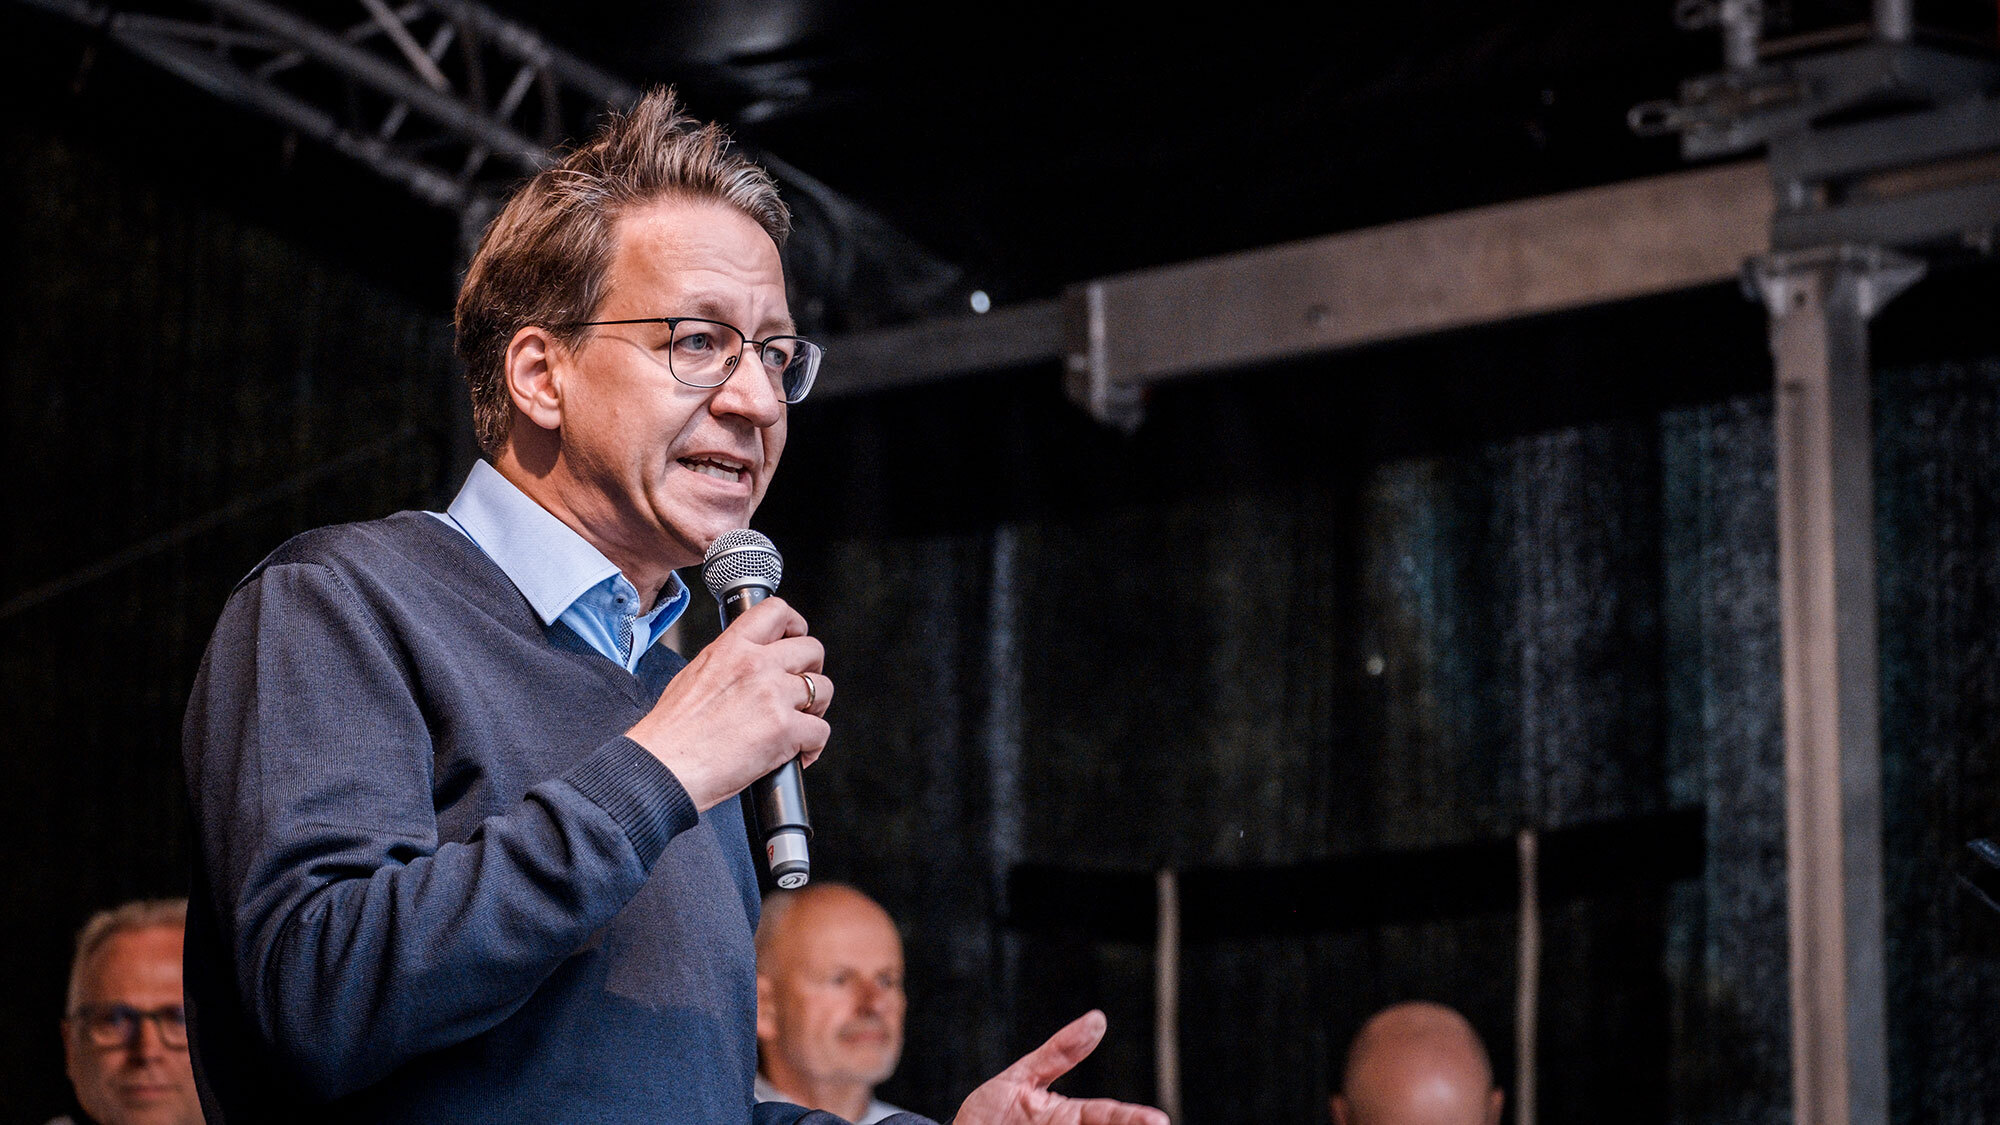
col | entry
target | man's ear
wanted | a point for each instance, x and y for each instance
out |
(767, 1020)
(532, 370)
(1337, 1106)
(1493, 1105)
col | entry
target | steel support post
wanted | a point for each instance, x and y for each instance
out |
(1820, 303)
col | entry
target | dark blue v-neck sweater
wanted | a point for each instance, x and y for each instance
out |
(435, 882)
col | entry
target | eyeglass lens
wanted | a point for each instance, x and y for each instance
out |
(704, 353)
(115, 1025)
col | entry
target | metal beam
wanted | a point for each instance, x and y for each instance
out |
(1820, 303)
(1473, 267)
(1407, 279)
(1836, 152)
(1010, 336)
(1963, 212)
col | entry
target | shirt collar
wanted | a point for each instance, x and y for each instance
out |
(877, 1108)
(544, 557)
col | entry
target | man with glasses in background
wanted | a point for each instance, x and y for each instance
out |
(467, 846)
(124, 1030)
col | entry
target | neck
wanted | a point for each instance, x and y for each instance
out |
(842, 1099)
(641, 567)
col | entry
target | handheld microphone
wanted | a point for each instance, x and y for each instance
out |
(741, 569)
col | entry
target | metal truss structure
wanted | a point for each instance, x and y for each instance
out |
(1882, 159)
(443, 97)
(457, 103)
(1888, 142)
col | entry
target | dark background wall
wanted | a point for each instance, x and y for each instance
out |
(189, 383)
(1417, 597)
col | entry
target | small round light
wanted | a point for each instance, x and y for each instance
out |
(980, 301)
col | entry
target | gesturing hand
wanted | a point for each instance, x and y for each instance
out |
(1020, 1095)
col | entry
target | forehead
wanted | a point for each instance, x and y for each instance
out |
(700, 256)
(135, 963)
(841, 931)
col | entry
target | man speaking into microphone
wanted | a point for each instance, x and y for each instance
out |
(469, 848)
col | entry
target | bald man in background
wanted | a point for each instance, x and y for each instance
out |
(1417, 1064)
(829, 1001)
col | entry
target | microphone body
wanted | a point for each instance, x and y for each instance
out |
(742, 568)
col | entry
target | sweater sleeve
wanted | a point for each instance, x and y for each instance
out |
(359, 941)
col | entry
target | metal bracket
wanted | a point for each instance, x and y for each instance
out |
(1888, 143)
(1862, 278)
(1087, 374)
(1741, 109)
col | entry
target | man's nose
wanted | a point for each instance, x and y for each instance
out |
(872, 998)
(749, 392)
(146, 1042)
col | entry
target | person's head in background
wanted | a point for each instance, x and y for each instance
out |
(1417, 1064)
(124, 1028)
(829, 998)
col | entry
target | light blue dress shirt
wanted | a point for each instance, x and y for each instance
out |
(563, 577)
(876, 1111)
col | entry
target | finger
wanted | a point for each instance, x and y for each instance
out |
(1064, 1049)
(798, 654)
(1105, 1111)
(819, 692)
(769, 620)
(815, 732)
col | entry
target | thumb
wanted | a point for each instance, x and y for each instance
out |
(1064, 1050)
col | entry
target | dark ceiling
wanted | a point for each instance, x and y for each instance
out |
(1044, 144)
(1030, 146)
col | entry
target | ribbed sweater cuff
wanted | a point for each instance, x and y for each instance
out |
(643, 796)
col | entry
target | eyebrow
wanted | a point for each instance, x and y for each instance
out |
(709, 307)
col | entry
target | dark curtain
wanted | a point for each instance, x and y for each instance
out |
(188, 387)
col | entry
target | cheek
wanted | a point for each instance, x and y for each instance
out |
(774, 445)
(91, 1069)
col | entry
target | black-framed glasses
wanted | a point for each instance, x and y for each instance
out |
(704, 353)
(117, 1025)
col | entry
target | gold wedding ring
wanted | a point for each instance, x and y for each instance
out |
(812, 693)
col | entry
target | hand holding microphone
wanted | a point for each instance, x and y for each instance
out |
(741, 569)
(748, 709)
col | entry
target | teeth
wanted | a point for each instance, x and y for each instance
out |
(715, 469)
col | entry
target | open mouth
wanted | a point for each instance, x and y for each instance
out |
(721, 468)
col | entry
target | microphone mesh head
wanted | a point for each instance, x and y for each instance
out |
(741, 558)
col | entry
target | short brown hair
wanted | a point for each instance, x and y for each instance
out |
(544, 258)
(143, 914)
